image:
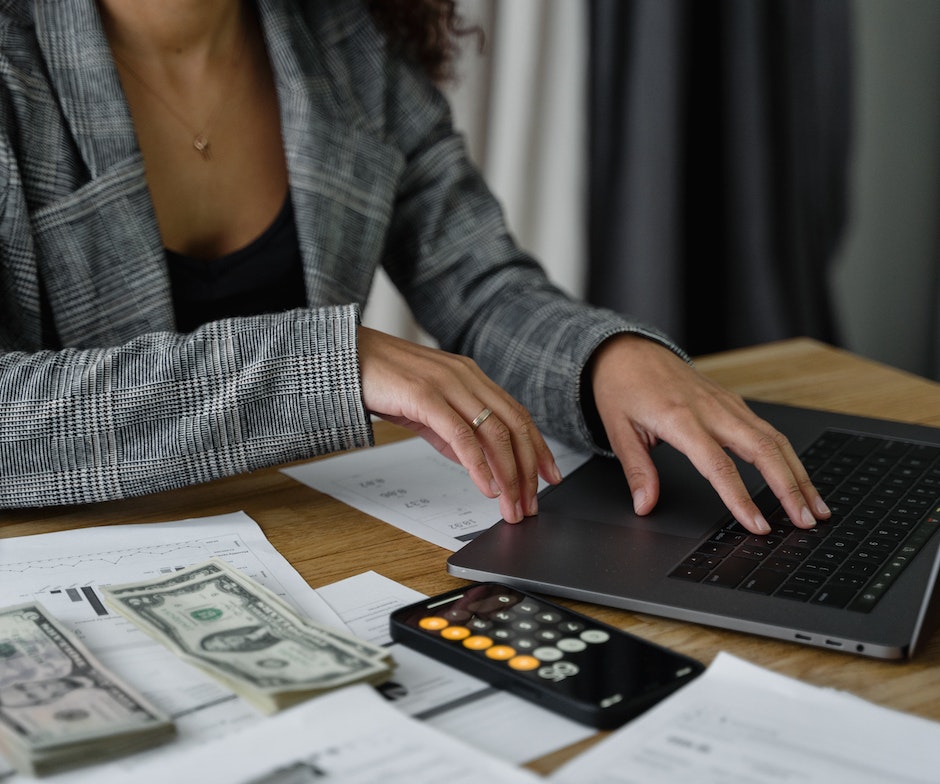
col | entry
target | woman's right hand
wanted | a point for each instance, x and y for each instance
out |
(438, 395)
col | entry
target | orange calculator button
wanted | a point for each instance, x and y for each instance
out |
(433, 623)
(524, 662)
(478, 642)
(500, 652)
(455, 632)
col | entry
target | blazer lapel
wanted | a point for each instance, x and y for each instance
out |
(79, 59)
(343, 173)
(100, 254)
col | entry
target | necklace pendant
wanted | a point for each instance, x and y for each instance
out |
(201, 145)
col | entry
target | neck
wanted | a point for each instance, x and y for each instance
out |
(173, 30)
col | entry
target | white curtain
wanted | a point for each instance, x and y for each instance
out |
(521, 106)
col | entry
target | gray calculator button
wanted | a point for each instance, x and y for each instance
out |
(527, 607)
(548, 617)
(547, 654)
(595, 636)
(571, 645)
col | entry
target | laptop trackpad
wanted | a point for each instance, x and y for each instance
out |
(688, 505)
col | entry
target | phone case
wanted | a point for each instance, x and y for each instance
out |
(563, 660)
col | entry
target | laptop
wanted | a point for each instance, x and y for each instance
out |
(864, 583)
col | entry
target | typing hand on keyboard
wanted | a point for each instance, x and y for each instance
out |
(884, 495)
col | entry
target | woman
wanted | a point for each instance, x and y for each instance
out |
(195, 197)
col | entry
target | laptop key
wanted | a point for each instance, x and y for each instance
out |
(690, 572)
(730, 572)
(763, 581)
(834, 595)
(716, 548)
(800, 592)
(860, 568)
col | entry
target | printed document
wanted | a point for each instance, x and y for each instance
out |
(741, 723)
(410, 485)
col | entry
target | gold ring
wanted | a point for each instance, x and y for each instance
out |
(480, 419)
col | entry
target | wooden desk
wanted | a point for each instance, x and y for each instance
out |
(327, 541)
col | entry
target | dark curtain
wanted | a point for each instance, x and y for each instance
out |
(720, 135)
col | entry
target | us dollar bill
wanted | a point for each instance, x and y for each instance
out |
(246, 637)
(59, 706)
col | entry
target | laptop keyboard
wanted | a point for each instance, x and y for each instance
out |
(885, 501)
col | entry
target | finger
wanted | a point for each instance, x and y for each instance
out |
(641, 474)
(501, 462)
(524, 432)
(483, 477)
(426, 411)
(511, 443)
(719, 469)
(807, 489)
(762, 446)
(495, 441)
(532, 454)
(516, 450)
(771, 453)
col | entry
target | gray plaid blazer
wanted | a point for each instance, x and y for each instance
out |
(101, 398)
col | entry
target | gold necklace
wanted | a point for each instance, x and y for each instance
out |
(200, 137)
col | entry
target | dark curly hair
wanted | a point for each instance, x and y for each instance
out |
(426, 32)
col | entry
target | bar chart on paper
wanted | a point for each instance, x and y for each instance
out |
(85, 593)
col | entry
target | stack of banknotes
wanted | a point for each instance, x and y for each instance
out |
(59, 706)
(246, 637)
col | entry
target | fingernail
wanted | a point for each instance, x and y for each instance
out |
(639, 501)
(511, 512)
(808, 520)
(532, 507)
(519, 513)
(822, 509)
(494, 488)
(761, 525)
(556, 473)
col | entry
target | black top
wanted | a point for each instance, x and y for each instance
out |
(266, 276)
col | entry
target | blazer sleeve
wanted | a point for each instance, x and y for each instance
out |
(474, 290)
(167, 410)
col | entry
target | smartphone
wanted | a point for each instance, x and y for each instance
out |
(563, 660)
